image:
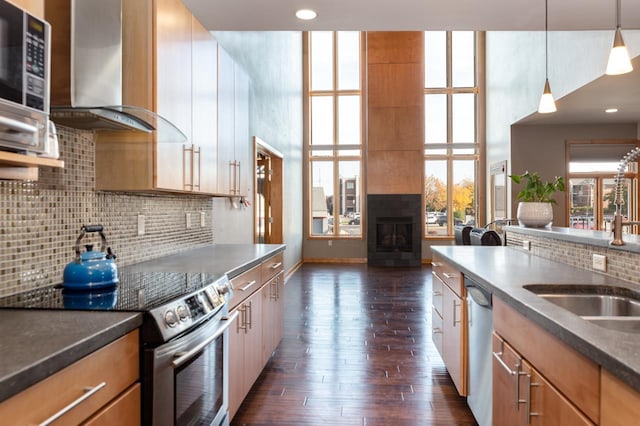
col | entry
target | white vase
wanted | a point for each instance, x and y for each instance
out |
(533, 214)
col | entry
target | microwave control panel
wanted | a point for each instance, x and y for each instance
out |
(35, 63)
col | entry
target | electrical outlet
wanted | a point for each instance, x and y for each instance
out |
(202, 219)
(330, 242)
(526, 244)
(140, 224)
(600, 262)
(187, 217)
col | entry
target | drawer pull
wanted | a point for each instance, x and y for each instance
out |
(436, 264)
(88, 393)
(437, 330)
(250, 284)
(437, 293)
(448, 275)
(276, 265)
(498, 356)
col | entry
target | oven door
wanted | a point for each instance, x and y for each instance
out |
(190, 377)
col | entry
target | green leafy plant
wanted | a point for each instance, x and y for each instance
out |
(535, 190)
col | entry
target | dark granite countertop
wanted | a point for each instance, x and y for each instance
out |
(217, 259)
(35, 344)
(507, 270)
(580, 236)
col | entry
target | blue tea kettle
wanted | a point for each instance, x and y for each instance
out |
(92, 269)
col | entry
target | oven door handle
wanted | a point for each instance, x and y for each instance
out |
(182, 357)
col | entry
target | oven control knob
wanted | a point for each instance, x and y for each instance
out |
(170, 318)
(183, 313)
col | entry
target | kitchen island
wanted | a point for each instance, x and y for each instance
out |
(549, 334)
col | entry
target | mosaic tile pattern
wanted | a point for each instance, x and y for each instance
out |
(40, 221)
(620, 264)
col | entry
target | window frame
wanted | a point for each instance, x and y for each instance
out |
(449, 156)
(335, 148)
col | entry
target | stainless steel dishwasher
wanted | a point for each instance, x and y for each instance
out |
(480, 321)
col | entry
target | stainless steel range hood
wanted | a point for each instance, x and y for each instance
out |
(88, 34)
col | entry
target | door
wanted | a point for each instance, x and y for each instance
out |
(268, 194)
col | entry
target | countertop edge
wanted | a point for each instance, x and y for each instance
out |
(22, 379)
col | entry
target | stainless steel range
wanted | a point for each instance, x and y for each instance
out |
(184, 339)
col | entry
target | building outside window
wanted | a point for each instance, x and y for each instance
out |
(453, 129)
(334, 80)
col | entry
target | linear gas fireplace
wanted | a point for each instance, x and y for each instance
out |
(393, 230)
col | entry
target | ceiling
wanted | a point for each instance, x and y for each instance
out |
(370, 15)
(519, 15)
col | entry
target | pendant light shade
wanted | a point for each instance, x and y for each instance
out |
(547, 104)
(619, 61)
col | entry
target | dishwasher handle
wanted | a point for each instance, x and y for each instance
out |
(478, 293)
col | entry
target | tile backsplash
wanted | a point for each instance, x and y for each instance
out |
(40, 221)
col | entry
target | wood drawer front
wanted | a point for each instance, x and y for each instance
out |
(245, 284)
(436, 293)
(620, 402)
(449, 275)
(575, 376)
(115, 364)
(272, 266)
(436, 331)
(123, 411)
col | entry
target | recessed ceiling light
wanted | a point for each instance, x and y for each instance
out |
(306, 14)
(611, 110)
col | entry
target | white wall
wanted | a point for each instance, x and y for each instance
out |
(273, 61)
(515, 76)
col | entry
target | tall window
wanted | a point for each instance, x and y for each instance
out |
(452, 140)
(335, 107)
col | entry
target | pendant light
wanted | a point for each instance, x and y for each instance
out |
(619, 61)
(547, 104)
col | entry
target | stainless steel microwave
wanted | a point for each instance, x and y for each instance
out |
(24, 80)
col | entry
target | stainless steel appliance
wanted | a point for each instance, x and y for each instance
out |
(184, 338)
(480, 321)
(24, 80)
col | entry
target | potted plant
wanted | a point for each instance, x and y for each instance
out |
(536, 199)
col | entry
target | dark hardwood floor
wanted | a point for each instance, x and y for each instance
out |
(357, 350)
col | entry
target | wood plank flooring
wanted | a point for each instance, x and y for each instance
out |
(357, 350)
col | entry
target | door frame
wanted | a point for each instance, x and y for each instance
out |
(260, 147)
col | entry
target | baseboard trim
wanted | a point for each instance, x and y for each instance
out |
(335, 260)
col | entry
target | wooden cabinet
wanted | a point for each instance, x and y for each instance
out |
(449, 321)
(105, 383)
(258, 297)
(34, 7)
(565, 384)
(233, 127)
(620, 403)
(169, 67)
(522, 396)
(577, 377)
(273, 315)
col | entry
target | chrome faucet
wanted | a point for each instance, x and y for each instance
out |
(617, 223)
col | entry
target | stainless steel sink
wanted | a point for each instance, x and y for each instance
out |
(595, 304)
(613, 308)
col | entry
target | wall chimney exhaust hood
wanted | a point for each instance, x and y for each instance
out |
(86, 77)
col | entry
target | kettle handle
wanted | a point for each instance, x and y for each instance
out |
(90, 228)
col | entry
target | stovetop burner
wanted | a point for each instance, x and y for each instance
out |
(172, 301)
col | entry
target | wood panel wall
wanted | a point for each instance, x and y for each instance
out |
(395, 108)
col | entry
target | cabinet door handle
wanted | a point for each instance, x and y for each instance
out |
(249, 284)
(498, 357)
(237, 179)
(529, 386)
(448, 275)
(455, 305)
(436, 264)
(276, 265)
(186, 150)
(437, 330)
(88, 393)
(250, 314)
(437, 293)
(242, 323)
(196, 151)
